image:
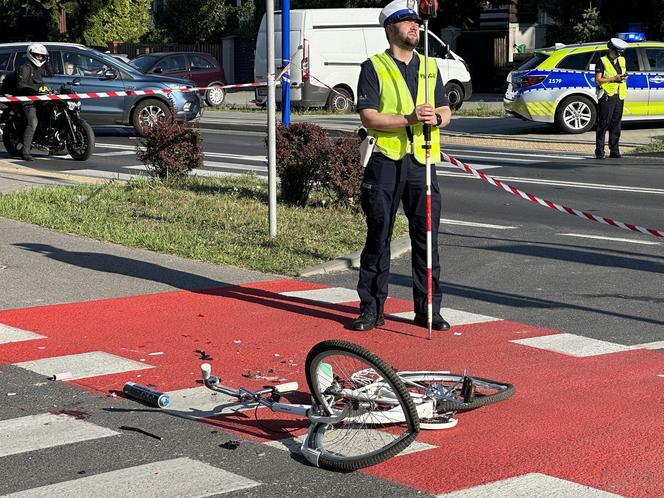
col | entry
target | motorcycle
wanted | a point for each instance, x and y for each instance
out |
(60, 127)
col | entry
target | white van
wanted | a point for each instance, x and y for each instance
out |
(327, 48)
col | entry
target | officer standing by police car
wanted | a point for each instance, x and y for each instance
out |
(391, 103)
(611, 79)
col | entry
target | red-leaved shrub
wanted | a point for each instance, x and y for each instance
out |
(303, 152)
(170, 150)
(343, 176)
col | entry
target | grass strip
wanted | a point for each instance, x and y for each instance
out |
(653, 146)
(218, 220)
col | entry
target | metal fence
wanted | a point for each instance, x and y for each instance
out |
(134, 49)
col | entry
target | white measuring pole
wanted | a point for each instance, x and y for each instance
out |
(271, 122)
(427, 150)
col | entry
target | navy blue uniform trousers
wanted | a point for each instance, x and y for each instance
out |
(387, 182)
(609, 117)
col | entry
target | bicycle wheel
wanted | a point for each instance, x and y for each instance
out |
(380, 419)
(451, 393)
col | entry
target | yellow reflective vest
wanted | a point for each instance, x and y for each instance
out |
(395, 98)
(609, 71)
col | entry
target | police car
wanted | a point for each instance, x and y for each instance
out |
(558, 84)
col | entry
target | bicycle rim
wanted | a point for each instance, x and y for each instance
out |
(486, 391)
(381, 420)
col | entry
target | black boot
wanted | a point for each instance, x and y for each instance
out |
(367, 321)
(437, 321)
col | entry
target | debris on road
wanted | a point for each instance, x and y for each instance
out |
(203, 355)
(146, 395)
(256, 374)
(61, 376)
(141, 431)
(230, 445)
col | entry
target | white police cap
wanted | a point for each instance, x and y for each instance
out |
(617, 44)
(397, 11)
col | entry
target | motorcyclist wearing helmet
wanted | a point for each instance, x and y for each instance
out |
(30, 82)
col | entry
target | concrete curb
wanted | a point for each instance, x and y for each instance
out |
(7, 167)
(398, 248)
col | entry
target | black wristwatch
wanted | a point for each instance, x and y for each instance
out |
(439, 119)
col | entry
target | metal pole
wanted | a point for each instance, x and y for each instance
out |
(271, 122)
(285, 58)
(427, 150)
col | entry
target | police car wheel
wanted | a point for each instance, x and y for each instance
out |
(341, 101)
(454, 95)
(576, 114)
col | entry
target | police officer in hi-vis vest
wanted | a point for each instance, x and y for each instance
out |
(611, 79)
(391, 96)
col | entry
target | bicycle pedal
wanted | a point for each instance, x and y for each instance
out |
(468, 390)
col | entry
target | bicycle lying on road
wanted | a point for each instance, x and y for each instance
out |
(364, 412)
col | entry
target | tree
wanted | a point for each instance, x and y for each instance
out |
(191, 21)
(591, 27)
(124, 20)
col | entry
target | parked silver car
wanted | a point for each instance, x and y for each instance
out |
(99, 72)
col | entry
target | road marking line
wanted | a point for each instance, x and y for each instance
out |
(556, 183)
(330, 295)
(294, 444)
(573, 345)
(131, 149)
(482, 153)
(10, 334)
(180, 477)
(471, 157)
(201, 402)
(614, 239)
(115, 153)
(46, 430)
(447, 221)
(529, 485)
(475, 166)
(222, 155)
(454, 317)
(83, 365)
(650, 345)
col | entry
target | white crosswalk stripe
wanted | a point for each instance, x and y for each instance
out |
(177, 478)
(334, 295)
(294, 444)
(528, 486)
(10, 334)
(83, 365)
(46, 430)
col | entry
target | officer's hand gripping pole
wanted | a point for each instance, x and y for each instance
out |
(427, 9)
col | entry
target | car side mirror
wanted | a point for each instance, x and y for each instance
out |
(76, 81)
(110, 74)
(158, 70)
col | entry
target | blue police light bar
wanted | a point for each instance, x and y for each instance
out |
(632, 36)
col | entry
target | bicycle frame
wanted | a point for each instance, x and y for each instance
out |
(425, 404)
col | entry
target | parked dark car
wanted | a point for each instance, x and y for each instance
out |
(99, 72)
(199, 67)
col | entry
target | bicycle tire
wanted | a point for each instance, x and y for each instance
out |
(490, 391)
(332, 370)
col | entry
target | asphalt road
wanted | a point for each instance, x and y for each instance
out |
(502, 257)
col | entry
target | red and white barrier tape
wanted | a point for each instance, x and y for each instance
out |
(552, 205)
(100, 95)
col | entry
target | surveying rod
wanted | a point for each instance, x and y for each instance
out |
(427, 9)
